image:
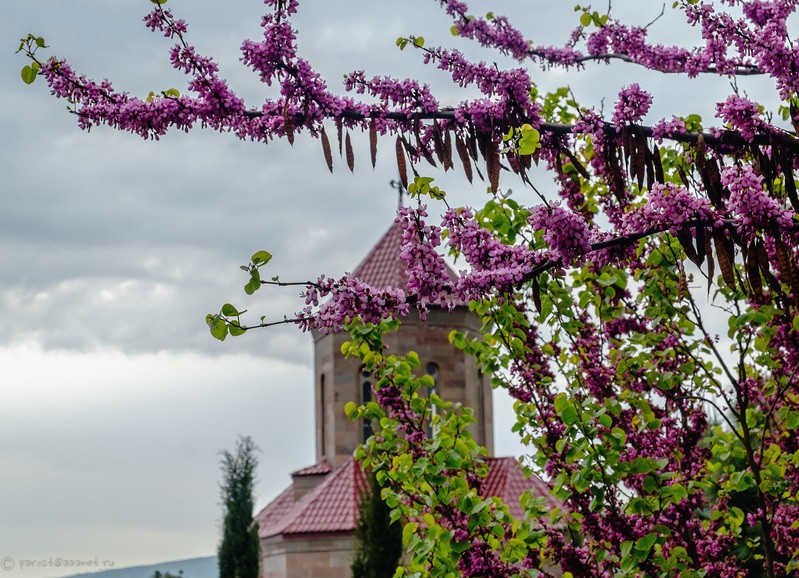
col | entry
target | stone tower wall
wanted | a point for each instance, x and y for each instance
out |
(338, 380)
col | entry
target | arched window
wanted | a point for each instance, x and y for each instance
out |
(366, 397)
(432, 370)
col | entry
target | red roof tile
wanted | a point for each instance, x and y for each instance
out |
(382, 266)
(507, 480)
(275, 511)
(332, 506)
(320, 468)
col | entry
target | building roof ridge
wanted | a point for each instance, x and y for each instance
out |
(319, 468)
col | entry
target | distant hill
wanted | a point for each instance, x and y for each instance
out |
(192, 568)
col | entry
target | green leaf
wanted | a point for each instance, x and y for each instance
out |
(650, 484)
(408, 531)
(229, 311)
(619, 434)
(585, 19)
(530, 140)
(459, 547)
(565, 409)
(561, 401)
(236, 330)
(644, 545)
(254, 283)
(158, 1)
(217, 327)
(28, 74)
(736, 517)
(677, 492)
(626, 547)
(261, 257)
(569, 415)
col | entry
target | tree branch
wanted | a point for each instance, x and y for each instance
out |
(720, 138)
(742, 69)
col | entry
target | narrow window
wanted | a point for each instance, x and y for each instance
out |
(366, 397)
(322, 405)
(481, 410)
(432, 370)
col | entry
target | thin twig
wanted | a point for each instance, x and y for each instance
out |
(658, 17)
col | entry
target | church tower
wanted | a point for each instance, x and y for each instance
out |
(339, 380)
(308, 531)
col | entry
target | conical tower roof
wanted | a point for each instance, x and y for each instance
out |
(383, 267)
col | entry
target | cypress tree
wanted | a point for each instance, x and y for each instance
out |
(239, 551)
(378, 542)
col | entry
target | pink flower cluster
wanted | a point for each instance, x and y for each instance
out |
(497, 33)
(566, 233)
(742, 115)
(274, 52)
(427, 271)
(100, 104)
(668, 128)
(347, 298)
(162, 19)
(668, 207)
(750, 202)
(632, 106)
(495, 266)
(404, 95)
(760, 39)
(630, 42)
(511, 86)
(481, 560)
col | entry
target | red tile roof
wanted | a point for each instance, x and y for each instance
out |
(322, 467)
(382, 266)
(271, 516)
(507, 480)
(333, 505)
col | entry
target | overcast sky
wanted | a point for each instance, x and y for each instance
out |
(114, 400)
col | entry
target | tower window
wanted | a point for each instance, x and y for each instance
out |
(431, 369)
(481, 409)
(322, 406)
(366, 397)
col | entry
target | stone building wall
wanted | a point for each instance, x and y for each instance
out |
(311, 556)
